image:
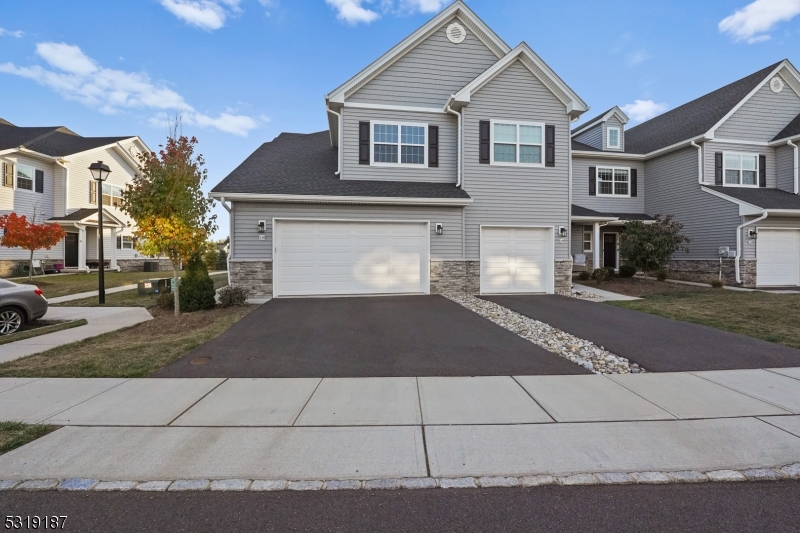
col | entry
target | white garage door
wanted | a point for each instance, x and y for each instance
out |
(778, 254)
(324, 257)
(516, 260)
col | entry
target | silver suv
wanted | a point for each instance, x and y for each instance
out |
(19, 305)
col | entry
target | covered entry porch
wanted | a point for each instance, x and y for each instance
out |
(596, 236)
(81, 248)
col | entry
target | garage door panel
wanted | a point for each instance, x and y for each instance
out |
(778, 257)
(516, 260)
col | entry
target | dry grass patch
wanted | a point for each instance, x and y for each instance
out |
(31, 332)
(129, 353)
(16, 434)
(641, 287)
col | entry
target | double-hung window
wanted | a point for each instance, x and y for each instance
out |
(112, 195)
(587, 238)
(399, 143)
(124, 242)
(25, 177)
(612, 181)
(614, 138)
(517, 143)
(741, 169)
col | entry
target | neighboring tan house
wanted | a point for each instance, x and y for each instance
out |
(45, 176)
(725, 165)
(450, 165)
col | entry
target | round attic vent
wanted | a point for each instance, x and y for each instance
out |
(456, 33)
(776, 84)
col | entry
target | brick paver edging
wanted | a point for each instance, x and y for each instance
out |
(791, 471)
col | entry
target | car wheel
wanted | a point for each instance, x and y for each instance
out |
(11, 320)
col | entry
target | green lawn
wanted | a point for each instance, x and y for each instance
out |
(771, 317)
(16, 434)
(62, 285)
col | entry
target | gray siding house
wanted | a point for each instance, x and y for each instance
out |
(450, 165)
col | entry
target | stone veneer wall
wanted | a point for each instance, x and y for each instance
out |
(563, 277)
(137, 265)
(455, 277)
(256, 276)
(704, 270)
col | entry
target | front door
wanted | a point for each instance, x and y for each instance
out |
(610, 250)
(71, 250)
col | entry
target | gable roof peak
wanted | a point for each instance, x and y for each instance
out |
(602, 117)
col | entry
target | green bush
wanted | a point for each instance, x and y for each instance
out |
(600, 275)
(661, 275)
(222, 261)
(196, 288)
(627, 271)
(611, 272)
(585, 275)
(717, 283)
(233, 296)
(166, 300)
(210, 256)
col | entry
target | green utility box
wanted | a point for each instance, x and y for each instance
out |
(155, 286)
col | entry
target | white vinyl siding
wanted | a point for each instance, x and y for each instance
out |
(516, 260)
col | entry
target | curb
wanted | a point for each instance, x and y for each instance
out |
(791, 471)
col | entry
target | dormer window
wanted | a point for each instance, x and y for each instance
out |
(614, 138)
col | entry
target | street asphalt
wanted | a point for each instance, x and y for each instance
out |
(729, 507)
(658, 344)
(391, 336)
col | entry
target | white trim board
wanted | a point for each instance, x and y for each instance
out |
(324, 199)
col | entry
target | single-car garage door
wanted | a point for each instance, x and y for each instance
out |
(331, 257)
(778, 255)
(516, 260)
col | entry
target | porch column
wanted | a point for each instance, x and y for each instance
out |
(596, 246)
(113, 247)
(82, 247)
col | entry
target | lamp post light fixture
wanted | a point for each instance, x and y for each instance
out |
(100, 174)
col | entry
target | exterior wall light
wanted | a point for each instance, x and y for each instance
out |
(439, 228)
(562, 231)
(262, 226)
(752, 234)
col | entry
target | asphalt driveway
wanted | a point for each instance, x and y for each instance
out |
(367, 337)
(658, 344)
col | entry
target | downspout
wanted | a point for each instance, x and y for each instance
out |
(699, 162)
(230, 231)
(739, 243)
(796, 181)
(66, 186)
(458, 141)
(339, 142)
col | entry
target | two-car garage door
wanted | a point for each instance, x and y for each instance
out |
(778, 254)
(332, 257)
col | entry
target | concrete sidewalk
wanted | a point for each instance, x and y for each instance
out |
(100, 320)
(371, 428)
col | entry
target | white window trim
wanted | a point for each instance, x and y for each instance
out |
(590, 231)
(619, 137)
(612, 169)
(399, 125)
(518, 124)
(724, 168)
(16, 177)
(121, 242)
(121, 189)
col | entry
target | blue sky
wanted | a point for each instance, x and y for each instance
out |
(242, 71)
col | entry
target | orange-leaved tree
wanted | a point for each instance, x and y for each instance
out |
(165, 200)
(29, 235)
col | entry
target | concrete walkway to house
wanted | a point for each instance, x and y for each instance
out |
(100, 320)
(604, 296)
(375, 428)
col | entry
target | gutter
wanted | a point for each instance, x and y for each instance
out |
(740, 244)
(796, 181)
(339, 140)
(699, 161)
(450, 110)
(307, 198)
(230, 233)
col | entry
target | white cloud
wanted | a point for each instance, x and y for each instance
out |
(423, 6)
(752, 22)
(75, 76)
(10, 33)
(637, 58)
(352, 12)
(205, 14)
(641, 110)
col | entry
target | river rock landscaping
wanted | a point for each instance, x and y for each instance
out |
(579, 351)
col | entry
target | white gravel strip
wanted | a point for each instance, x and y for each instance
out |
(579, 351)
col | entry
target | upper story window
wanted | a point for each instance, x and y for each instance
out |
(398, 143)
(741, 169)
(613, 181)
(25, 176)
(614, 138)
(112, 195)
(519, 143)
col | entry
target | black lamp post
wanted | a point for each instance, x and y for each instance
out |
(100, 173)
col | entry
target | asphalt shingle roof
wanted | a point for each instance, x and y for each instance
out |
(791, 129)
(579, 211)
(588, 122)
(78, 215)
(54, 141)
(761, 197)
(584, 147)
(305, 164)
(693, 118)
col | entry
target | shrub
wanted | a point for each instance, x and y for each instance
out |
(717, 283)
(600, 275)
(211, 256)
(222, 261)
(661, 275)
(196, 290)
(584, 275)
(611, 272)
(627, 271)
(649, 247)
(166, 301)
(230, 296)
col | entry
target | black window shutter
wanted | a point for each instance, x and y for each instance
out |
(718, 168)
(592, 181)
(634, 184)
(762, 171)
(484, 142)
(363, 143)
(93, 192)
(8, 175)
(433, 146)
(39, 187)
(549, 146)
